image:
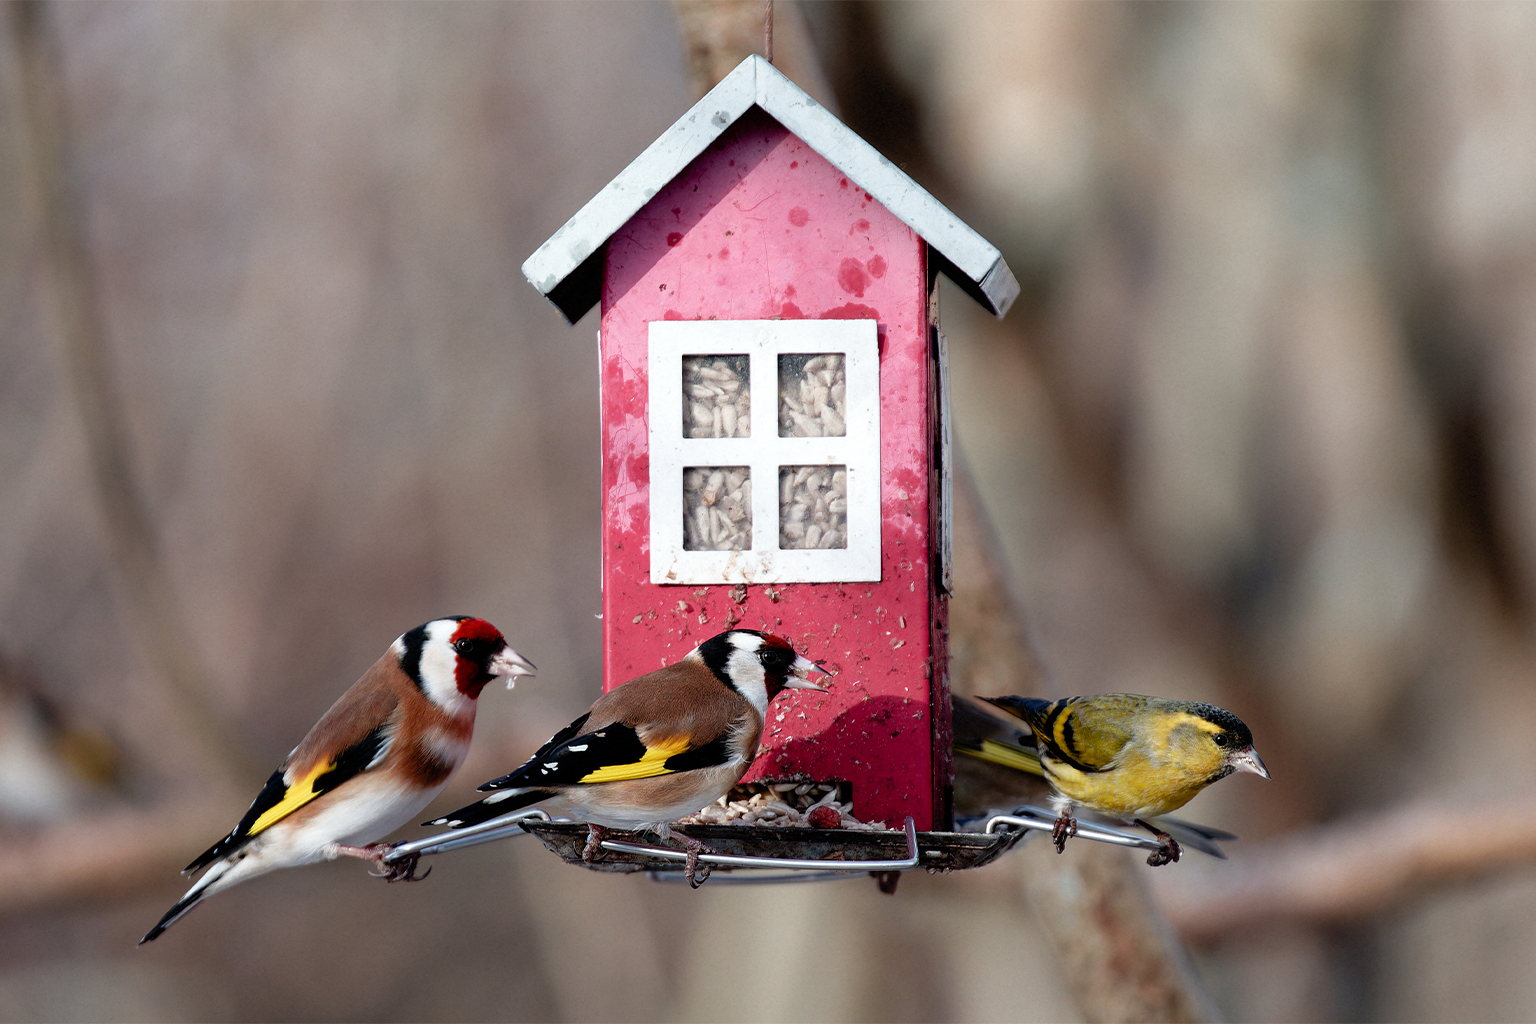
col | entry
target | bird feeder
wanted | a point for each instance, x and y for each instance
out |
(775, 439)
(774, 424)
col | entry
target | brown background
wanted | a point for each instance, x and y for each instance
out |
(1261, 431)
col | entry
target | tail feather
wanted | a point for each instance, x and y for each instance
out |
(173, 915)
(1197, 837)
(494, 806)
(203, 888)
(1031, 709)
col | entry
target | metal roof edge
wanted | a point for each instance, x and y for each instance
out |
(569, 252)
(588, 230)
(963, 247)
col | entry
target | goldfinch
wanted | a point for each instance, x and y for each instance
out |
(372, 762)
(658, 747)
(1132, 757)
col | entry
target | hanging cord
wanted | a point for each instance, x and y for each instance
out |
(768, 30)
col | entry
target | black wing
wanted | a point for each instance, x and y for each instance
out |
(611, 754)
(278, 798)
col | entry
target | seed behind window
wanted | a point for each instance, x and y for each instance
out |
(813, 507)
(813, 394)
(717, 400)
(717, 508)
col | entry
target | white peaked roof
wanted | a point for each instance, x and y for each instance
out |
(567, 269)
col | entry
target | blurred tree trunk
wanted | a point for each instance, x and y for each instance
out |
(147, 597)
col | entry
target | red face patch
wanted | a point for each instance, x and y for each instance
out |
(469, 673)
(773, 640)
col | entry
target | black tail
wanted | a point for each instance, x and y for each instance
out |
(1196, 837)
(173, 915)
(1030, 709)
(494, 806)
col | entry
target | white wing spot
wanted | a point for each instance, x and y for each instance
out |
(579, 749)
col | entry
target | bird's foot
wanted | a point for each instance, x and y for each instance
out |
(1066, 828)
(402, 870)
(695, 872)
(595, 836)
(1171, 851)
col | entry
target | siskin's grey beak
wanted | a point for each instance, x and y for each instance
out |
(510, 664)
(1247, 760)
(800, 675)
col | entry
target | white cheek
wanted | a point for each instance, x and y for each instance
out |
(747, 673)
(438, 663)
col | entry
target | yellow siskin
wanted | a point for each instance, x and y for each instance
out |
(997, 769)
(1132, 757)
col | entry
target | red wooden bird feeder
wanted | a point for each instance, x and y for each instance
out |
(774, 423)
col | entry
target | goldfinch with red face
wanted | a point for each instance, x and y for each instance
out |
(1132, 757)
(659, 747)
(372, 762)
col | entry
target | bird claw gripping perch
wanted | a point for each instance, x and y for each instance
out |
(1066, 827)
(595, 836)
(695, 872)
(1171, 851)
(403, 870)
(394, 869)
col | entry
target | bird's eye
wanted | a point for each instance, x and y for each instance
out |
(465, 646)
(775, 659)
(1222, 739)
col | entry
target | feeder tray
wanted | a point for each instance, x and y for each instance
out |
(794, 854)
(769, 848)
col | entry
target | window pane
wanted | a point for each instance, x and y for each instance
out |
(813, 507)
(717, 508)
(717, 400)
(813, 394)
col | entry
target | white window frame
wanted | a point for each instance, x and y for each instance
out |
(763, 341)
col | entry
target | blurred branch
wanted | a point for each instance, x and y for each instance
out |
(148, 597)
(719, 35)
(112, 854)
(1352, 869)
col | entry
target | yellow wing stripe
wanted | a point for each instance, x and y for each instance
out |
(299, 794)
(651, 764)
(1006, 755)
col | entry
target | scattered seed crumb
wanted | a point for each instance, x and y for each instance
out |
(782, 805)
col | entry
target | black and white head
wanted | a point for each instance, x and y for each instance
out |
(757, 665)
(451, 660)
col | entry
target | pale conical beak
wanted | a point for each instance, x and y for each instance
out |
(510, 664)
(1247, 760)
(800, 675)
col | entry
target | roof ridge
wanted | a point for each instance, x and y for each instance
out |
(567, 268)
